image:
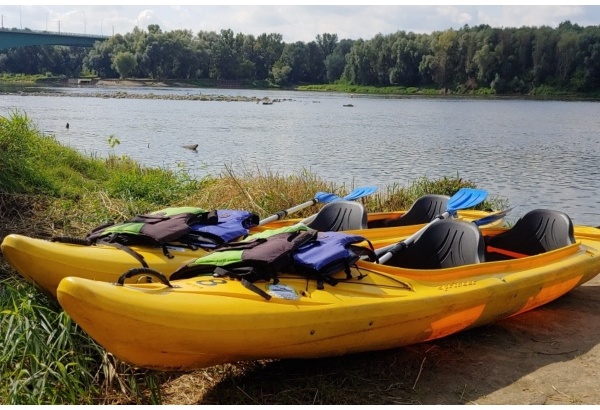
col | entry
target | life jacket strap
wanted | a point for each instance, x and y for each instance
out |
(126, 249)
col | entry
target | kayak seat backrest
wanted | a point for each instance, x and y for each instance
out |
(422, 211)
(444, 244)
(538, 231)
(340, 216)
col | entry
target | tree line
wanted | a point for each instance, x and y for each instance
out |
(496, 60)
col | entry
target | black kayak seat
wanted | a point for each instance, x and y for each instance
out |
(422, 211)
(340, 216)
(538, 231)
(447, 243)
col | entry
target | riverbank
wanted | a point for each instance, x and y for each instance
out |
(22, 90)
(541, 93)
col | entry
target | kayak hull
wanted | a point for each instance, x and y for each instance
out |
(206, 321)
(45, 263)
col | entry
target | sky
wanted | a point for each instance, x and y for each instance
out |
(297, 22)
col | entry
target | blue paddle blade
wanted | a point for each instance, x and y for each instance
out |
(326, 197)
(360, 192)
(466, 198)
(492, 218)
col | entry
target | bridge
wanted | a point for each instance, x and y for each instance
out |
(25, 38)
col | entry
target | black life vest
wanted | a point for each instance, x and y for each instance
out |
(295, 249)
(154, 229)
(258, 257)
(185, 226)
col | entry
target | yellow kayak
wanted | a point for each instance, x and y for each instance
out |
(206, 320)
(45, 263)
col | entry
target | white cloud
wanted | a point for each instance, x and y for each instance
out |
(294, 22)
(532, 16)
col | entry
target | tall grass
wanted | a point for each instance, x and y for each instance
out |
(47, 189)
(45, 359)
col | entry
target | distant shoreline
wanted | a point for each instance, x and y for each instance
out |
(356, 91)
(140, 83)
(21, 89)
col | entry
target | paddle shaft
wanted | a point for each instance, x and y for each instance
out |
(285, 212)
(394, 249)
(319, 197)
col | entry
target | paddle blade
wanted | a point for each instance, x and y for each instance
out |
(492, 217)
(466, 198)
(360, 192)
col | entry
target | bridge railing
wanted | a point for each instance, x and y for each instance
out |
(53, 33)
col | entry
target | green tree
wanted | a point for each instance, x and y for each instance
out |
(152, 60)
(224, 57)
(154, 29)
(544, 55)
(124, 63)
(267, 50)
(281, 73)
(99, 59)
(316, 72)
(296, 57)
(360, 62)
(407, 51)
(442, 61)
(327, 43)
(336, 61)
(566, 50)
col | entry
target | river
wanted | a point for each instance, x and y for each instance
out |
(535, 154)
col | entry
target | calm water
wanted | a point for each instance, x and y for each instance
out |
(536, 154)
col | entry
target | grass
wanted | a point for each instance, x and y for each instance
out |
(368, 89)
(48, 190)
(542, 92)
(45, 359)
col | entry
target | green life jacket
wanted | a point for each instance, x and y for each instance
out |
(154, 229)
(258, 257)
(294, 249)
(183, 226)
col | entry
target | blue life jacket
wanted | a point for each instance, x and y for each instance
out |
(330, 253)
(231, 224)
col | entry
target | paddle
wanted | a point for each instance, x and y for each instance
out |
(492, 217)
(320, 197)
(463, 199)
